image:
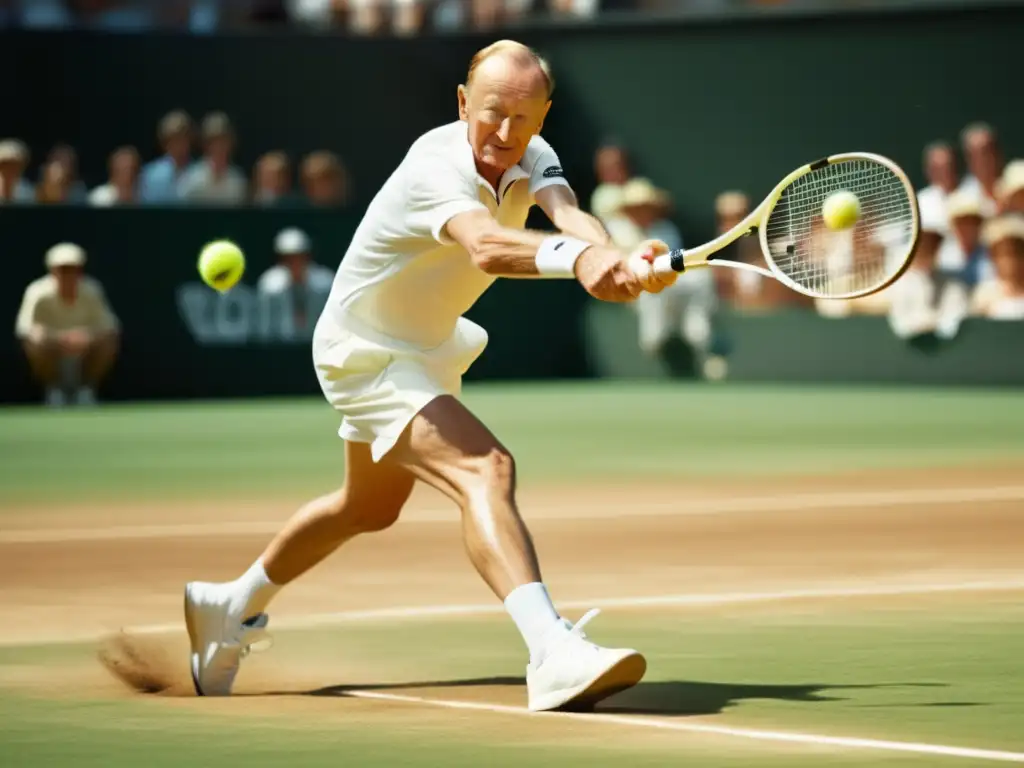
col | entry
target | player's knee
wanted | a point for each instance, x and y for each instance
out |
(369, 512)
(494, 470)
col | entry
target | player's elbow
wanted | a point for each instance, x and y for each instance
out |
(485, 250)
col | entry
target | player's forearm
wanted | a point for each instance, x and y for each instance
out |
(577, 223)
(504, 252)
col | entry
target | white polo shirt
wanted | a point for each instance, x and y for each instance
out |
(402, 276)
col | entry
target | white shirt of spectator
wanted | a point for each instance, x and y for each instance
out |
(402, 276)
(919, 303)
(278, 279)
(198, 185)
(103, 196)
(931, 203)
(971, 185)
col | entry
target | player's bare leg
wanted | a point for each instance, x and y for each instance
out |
(224, 620)
(447, 447)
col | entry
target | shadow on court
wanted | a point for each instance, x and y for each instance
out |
(678, 697)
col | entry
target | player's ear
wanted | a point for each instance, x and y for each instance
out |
(544, 116)
(463, 109)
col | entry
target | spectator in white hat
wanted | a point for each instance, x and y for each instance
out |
(14, 188)
(67, 328)
(969, 260)
(680, 313)
(1011, 188)
(1001, 297)
(296, 288)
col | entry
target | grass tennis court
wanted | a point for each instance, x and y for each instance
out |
(817, 576)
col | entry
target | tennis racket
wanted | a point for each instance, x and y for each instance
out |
(807, 256)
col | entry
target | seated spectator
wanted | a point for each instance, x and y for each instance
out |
(54, 186)
(969, 261)
(122, 188)
(272, 180)
(67, 328)
(158, 182)
(940, 168)
(325, 180)
(612, 168)
(925, 301)
(985, 163)
(65, 155)
(1001, 297)
(574, 9)
(213, 180)
(1011, 188)
(14, 188)
(674, 325)
(296, 287)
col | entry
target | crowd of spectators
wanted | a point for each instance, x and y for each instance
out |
(400, 17)
(969, 260)
(177, 176)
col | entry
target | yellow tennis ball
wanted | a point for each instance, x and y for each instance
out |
(841, 210)
(221, 264)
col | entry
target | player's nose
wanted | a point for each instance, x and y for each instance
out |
(504, 130)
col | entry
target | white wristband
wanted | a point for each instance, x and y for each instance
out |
(557, 256)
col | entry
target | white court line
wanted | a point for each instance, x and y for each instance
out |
(1012, 583)
(719, 730)
(589, 510)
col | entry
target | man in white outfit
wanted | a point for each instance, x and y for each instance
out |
(390, 349)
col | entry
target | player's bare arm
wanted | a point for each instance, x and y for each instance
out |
(562, 208)
(603, 271)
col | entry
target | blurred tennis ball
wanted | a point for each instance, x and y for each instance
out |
(841, 210)
(221, 264)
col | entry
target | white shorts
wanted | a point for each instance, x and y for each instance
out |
(378, 383)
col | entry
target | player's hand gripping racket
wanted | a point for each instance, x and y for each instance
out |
(807, 255)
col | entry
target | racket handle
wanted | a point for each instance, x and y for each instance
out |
(669, 262)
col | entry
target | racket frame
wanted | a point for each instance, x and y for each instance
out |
(756, 221)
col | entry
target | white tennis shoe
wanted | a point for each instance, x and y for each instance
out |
(219, 641)
(576, 674)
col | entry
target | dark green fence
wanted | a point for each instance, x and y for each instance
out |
(182, 339)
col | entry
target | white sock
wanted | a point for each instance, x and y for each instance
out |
(531, 609)
(251, 592)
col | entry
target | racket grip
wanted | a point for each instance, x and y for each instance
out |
(669, 262)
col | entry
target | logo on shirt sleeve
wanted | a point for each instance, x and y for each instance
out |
(552, 171)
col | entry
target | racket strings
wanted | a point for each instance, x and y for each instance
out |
(834, 263)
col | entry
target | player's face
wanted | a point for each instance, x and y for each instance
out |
(503, 114)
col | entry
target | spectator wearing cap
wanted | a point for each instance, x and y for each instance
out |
(272, 180)
(14, 187)
(67, 158)
(67, 328)
(296, 288)
(325, 181)
(674, 325)
(213, 180)
(926, 301)
(1011, 188)
(1001, 297)
(158, 182)
(969, 260)
(985, 163)
(940, 168)
(122, 187)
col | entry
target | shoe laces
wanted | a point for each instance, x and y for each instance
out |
(577, 628)
(254, 636)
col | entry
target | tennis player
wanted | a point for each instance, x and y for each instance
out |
(390, 349)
